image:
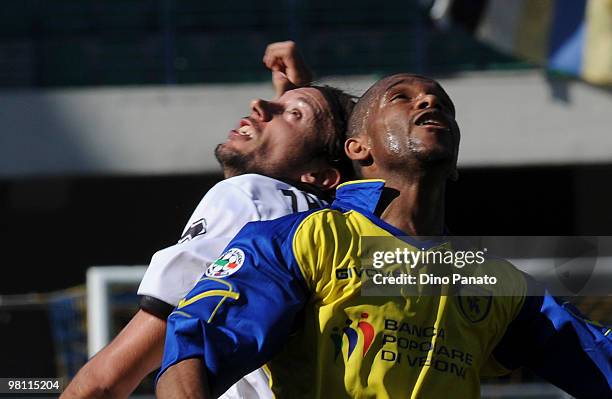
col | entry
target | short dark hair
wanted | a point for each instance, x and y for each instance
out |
(341, 106)
(359, 116)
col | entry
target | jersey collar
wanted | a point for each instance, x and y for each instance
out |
(359, 194)
(364, 196)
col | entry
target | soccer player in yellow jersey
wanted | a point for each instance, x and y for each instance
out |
(290, 291)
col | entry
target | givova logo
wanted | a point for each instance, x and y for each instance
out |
(352, 336)
(229, 263)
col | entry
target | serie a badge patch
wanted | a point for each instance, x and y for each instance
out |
(229, 263)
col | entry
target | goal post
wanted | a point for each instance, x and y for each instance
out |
(100, 282)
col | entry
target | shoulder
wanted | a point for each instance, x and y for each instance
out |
(313, 223)
(242, 185)
(323, 223)
(249, 186)
(224, 194)
(264, 245)
(299, 241)
(223, 210)
(284, 227)
(273, 198)
(254, 184)
(285, 234)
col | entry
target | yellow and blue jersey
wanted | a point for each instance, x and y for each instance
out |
(288, 293)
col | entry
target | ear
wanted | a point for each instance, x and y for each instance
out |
(454, 176)
(324, 179)
(356, 149)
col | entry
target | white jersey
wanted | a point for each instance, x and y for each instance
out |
(223, 211)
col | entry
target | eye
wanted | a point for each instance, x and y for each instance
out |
(295, 113)
(399, 96)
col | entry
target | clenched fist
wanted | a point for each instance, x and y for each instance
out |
(289, 70)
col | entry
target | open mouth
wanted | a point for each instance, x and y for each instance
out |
(245, 129)
(433, 118)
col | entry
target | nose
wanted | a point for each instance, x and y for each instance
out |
(428, 101)
(260, 110)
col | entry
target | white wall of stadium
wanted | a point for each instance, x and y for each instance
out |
(506, 119)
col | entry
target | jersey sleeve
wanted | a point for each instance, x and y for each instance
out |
(555, 341)
(173, 271)
(241, 312)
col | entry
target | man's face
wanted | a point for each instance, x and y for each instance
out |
(411, 121)
(279, 137)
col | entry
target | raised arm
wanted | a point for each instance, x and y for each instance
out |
(289, 70)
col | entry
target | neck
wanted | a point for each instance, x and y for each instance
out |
(415, 206)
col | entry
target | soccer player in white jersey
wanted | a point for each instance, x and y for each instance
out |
(295, 140)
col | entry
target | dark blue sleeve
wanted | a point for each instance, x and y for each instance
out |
(236, 320)
(552, 339)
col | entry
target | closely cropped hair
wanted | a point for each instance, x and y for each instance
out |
(358, 119)
(341, 106)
